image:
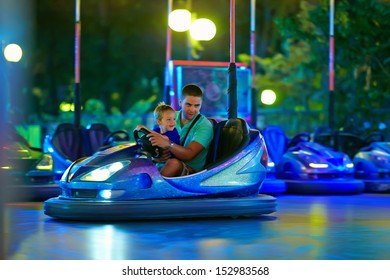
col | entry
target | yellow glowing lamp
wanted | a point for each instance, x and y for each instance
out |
(13, 53)
(179, 20)
(268, 97)
(203, 29)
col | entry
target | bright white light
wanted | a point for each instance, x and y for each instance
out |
(203, 29)
(318, 165)
(13, 53)
(349, 165)
(106, 194)
(104, 172)
(179, 20)
(268, 97)
(271, 164)
(115, 167)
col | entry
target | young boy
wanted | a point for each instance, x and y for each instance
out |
(165, 117)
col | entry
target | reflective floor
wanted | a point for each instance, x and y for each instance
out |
(304, 228)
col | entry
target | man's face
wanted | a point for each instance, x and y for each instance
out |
(190, 107)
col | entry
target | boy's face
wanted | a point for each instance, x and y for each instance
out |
(190, 106)
(168, 120)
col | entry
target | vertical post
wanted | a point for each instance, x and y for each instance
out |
(253, 63)
(232, 71)
(167, 89)
(331, 66)
(77, 103)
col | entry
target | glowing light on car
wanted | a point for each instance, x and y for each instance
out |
(318, 165)
(46, 163)
(110, 194)
(104, 172)
(106, 194)
(349, 165)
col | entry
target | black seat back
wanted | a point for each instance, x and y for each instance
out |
(230, 136)
(68, 141)
(94, 137)
(210, 153)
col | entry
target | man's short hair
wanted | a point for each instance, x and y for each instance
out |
(191, 90)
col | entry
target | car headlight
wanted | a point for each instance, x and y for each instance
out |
(312, 161)
(347, 162)
(103, 173)
(318, 165)
(46, 163)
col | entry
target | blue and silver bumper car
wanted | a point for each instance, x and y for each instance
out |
(371, 157)
(310, 168)
(123, 183)
(372, 165)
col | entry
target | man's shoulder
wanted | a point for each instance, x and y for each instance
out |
(204, 121)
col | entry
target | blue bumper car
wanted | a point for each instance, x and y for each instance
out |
(28, 170)
(308, 167)
(123, 183)
(371, 157)
(372, 165)
(70, 142)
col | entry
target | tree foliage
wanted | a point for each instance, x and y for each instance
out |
(300, 73)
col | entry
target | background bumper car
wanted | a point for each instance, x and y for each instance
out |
(371, 157)
(308, 167)
(28, 170)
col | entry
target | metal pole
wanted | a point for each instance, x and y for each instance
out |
(77, 103)
(253, 64)
(232, 71)
(167, 88)
(331, 66)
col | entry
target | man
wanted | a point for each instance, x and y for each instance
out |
(196, 134)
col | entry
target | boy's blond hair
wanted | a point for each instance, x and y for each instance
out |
(160, 109)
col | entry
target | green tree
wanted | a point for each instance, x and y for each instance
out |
(300, 73)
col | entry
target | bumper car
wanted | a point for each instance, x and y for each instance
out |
(123, 183)
(28, 170)
(371, 158)
(372, 165)
(308, 167)
(69, 143)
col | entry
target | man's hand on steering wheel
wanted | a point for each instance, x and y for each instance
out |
(159, 140)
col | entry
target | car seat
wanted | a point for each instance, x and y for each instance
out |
(276, 142)
(68, 141)
(230, 136)
(94, 136)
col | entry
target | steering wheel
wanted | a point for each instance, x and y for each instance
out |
(116, 136)
(144, 142)
(301, 137)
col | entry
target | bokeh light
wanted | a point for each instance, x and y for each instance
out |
(203, 29)
(13, 53)
(179, 20)
(268, 97)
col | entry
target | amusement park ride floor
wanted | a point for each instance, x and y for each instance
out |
(304, 227)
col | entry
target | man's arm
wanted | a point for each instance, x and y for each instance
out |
(183, 153)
